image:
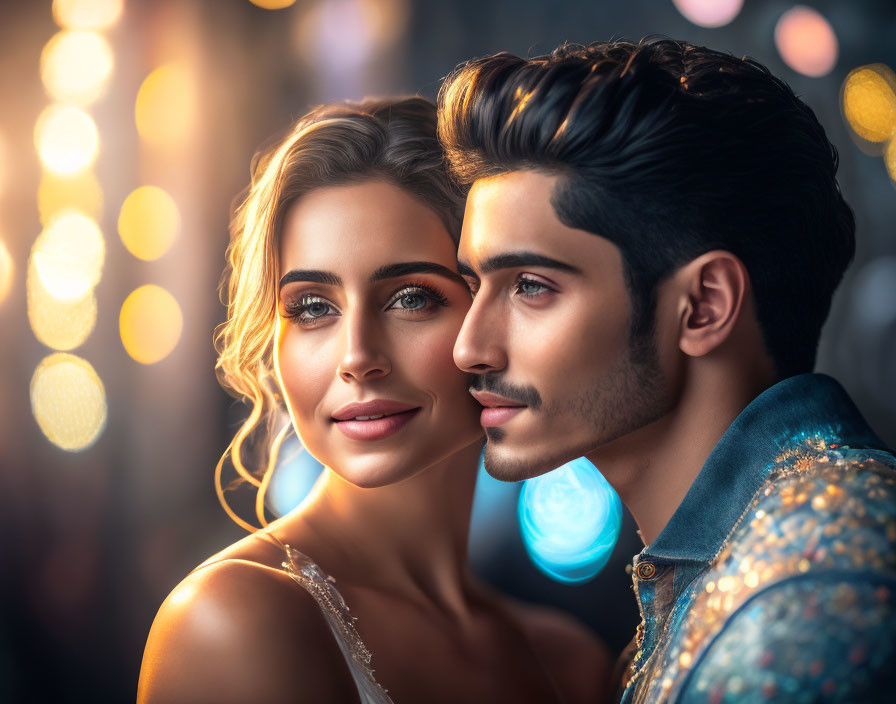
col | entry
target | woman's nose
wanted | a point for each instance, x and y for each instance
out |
(364, 357)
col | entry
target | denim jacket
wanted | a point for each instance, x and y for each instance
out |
(775, 579)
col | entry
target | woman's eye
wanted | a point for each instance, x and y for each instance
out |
(411, 301)
(528, 287)
(309, 309)
(417, 299)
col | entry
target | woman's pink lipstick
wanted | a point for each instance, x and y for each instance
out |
(373, 420)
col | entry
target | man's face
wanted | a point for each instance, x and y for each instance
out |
(548, 334)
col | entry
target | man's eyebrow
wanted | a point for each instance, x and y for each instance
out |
(315, 276)
(466, 270)
(391, 271)
(512, 260)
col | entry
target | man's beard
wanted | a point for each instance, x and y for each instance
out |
(626, 397)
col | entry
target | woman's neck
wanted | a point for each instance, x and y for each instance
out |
(408, 538)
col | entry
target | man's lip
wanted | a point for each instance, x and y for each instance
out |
(490, 400)
(378, 407)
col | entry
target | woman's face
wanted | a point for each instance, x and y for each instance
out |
(370, 305)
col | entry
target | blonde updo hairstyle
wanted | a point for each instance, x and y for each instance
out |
(389, 139)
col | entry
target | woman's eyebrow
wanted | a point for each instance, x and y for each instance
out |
(315, 276)
(391, 271)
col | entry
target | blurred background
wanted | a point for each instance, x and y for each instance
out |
(126, 132)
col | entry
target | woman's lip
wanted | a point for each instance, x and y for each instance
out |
(493, 416)
(377, 407)
(376, 429)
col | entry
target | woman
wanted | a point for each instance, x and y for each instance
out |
(345, 303)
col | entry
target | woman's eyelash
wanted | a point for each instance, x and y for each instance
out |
(435, 294)
(297, 308)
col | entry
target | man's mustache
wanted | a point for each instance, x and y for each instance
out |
(493, 383)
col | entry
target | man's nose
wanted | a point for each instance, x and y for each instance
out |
(479, 347)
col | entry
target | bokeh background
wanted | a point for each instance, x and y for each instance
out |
(126, 132)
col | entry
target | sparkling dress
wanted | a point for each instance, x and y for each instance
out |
(342, 624)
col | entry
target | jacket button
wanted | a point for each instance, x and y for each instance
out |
(645, 570)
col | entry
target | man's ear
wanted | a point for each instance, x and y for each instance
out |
(712, 289)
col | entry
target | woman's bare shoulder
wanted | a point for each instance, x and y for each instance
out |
(579, 661)
(235, 630)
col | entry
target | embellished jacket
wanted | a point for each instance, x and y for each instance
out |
(775, 579)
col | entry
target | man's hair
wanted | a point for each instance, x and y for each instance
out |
(669, 150)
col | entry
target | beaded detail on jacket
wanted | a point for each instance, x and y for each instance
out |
(800, 598)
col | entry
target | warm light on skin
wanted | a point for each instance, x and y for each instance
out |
(75, 66)
(869, 102)
(60, 325)
(66, 139)
(68, 256)
(87, 14)
(568, 342)
(370, 346)
(68, 401)
(709, 13)
(3, 162)
(806, 41)
(166, 106)
(148, 222)
(150, 324)
(5, 272)
(81, 192)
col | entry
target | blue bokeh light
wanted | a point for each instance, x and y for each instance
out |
(570, 521)
(294, 476)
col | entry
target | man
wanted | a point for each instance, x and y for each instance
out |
(653, 235)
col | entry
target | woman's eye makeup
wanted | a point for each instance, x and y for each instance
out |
(416, 298)
(310, 310)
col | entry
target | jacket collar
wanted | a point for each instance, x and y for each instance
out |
(784, 415)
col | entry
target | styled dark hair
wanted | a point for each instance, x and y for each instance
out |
(669, 150)
(389, 138)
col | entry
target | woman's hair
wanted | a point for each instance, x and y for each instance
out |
(387, 139)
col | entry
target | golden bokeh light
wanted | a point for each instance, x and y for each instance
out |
(150, 324)
(5, 271)
(148, 222)
(166, 107)
(869, 102)
(75, 66)
(68, 401)
(273, 4)
(890, 158)
(60, 325)
(806, 41)
(80, 192)
(68, 256)
(87, 14)
(66, 139)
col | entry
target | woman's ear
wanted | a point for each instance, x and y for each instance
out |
(712, 291)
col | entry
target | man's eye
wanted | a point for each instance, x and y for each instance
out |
(528, 287)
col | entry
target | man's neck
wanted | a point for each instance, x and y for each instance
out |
(652, 468)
